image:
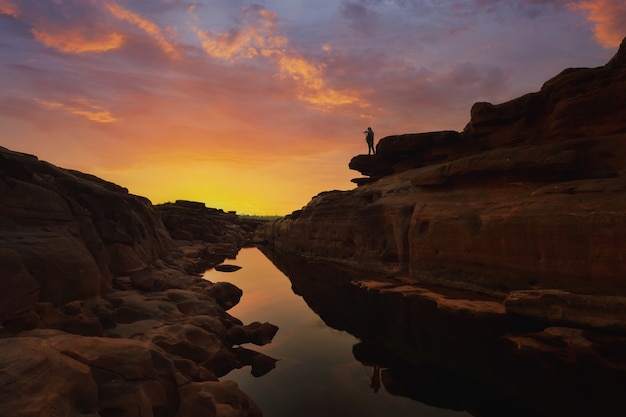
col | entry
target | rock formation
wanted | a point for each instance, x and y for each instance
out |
(100, 311)
(527, 204)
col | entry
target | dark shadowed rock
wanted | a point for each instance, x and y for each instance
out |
(72, 232)
(37, 379)
(221, 398)
(227, 268)
(258, 333)
(530, 196)
(122, 326)
(225, 294)
(261, 364)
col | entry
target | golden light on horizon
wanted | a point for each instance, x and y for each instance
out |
(259, 108)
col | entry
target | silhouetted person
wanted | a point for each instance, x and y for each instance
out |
(369, 138)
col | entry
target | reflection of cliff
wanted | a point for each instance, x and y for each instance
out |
(528, 199)
(436, 346)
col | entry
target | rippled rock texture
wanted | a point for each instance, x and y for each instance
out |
(100, 313)
(530, 196)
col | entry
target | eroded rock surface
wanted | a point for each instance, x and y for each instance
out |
(530, 196)
(100, 311)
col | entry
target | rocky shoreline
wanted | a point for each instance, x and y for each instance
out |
(442, 347)
(103, 312)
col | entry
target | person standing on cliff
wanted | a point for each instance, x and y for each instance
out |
(369, 138)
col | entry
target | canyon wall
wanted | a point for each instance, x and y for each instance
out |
(530, 197)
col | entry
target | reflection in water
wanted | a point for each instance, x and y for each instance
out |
(317, 373)
(459, 362)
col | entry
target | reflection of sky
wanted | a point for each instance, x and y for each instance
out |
(316, 374)
(256, 106)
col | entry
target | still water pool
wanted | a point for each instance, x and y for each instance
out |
(317, 374)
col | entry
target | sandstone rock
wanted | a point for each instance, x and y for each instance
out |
(564, 308)
(194, 221)
(216, 399)
(577, 103)
(226, 294)
(149, 280)
(82, 322)
(122, 325)
(36, 380)
(21, 291)
(261, 364)
(72, 231)
(371, 166)
(402, 152)
(530, 196)
(258, 333)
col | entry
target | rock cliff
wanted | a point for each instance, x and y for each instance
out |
(100, 311)
(527, 203)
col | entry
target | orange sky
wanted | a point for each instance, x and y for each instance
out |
(257, 107)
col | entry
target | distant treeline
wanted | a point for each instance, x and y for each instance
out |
(257, 217)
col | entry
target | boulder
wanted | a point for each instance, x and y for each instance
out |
(227, 268)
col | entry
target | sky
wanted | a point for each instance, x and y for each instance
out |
(258, 106)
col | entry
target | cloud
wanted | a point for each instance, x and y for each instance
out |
(149, 27)
(70, 26)
(360, 18)
(74, 40)
(78, 26)
(9, 8)
(259, 37)
(81, 107)
(609, 18)
(258, 33)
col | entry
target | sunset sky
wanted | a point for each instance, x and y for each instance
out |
(259, 106)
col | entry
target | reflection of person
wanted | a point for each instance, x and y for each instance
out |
(369, 138)
(375, 385)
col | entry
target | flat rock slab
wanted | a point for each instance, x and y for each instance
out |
(227, 268)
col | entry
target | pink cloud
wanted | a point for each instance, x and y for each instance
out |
(9, 8)
(149, 27)
(260, 37)
(74, 40)
(75, 26)
(81, 107)
(70, 26)
(609, 18)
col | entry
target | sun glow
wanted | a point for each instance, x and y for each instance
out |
(259, 108)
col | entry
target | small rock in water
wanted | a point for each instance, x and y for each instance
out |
(227, 268)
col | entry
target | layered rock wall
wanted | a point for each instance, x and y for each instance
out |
(69, 233)
(530, 196)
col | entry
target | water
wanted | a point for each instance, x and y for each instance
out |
(317, 374)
